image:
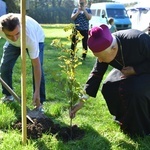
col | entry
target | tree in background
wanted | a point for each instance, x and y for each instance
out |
(47, 11)
(12, 6)
(51, 11)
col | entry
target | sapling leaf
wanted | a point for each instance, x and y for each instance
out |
(68, 65)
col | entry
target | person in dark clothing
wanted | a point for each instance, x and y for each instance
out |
(126, 89)
(81, 17)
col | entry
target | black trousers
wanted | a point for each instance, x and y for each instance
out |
(129, 100)
(84, 33)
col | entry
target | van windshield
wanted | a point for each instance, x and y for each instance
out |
(117, 13)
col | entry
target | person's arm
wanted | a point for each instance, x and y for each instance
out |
(144, 49)
(77, 11)
(37, 80)
(115, 28)
(88, 15)
(95, 78)
(91, 87)
(78, 106)
(75, 14)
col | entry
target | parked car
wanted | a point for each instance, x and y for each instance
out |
(102, 11)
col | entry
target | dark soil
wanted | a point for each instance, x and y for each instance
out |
(46, 125)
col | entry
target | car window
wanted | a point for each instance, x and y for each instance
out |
(98, 12)
(93, 12)
(117, 13)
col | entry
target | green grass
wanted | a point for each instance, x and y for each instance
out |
(101, 132)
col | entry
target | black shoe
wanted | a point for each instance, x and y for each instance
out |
(83, 56)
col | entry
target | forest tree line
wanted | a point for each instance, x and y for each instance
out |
(47, 11)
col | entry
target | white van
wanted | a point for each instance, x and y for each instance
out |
(102, 11)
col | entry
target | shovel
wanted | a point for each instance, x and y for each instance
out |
(31, 114)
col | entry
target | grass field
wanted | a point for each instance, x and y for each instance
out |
(101, 133)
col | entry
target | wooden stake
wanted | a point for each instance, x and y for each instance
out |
(23, 70)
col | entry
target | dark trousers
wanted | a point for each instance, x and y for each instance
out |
(9, 58)
(129, 101)
(84, 33)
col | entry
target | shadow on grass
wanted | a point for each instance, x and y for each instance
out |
(41, 145)
(84, 137)
(125, 145)
(47, 125)
(52, 126)
(92, 140)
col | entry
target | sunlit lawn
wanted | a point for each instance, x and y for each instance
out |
(101, 133)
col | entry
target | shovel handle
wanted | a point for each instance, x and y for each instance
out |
(15, 96)
(10, 90)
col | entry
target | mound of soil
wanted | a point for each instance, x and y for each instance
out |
(46, 125)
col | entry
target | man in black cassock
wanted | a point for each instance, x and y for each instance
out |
(127, 87)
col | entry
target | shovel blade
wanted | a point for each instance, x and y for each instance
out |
(36, 114)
